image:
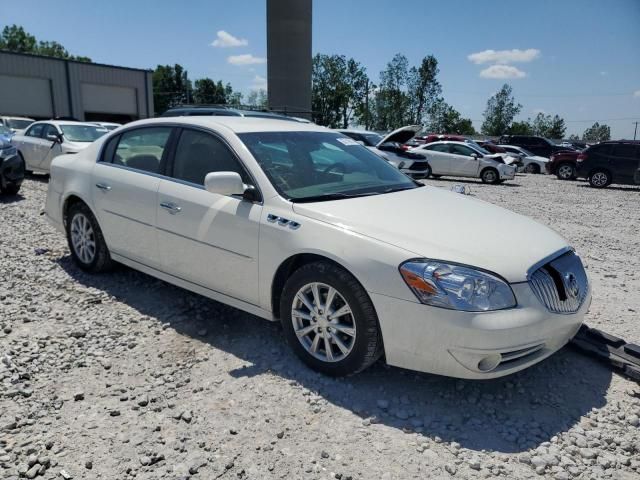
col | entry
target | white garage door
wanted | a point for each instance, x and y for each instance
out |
(29, 97)
(109, 99)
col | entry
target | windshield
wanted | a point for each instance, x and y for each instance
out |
(82, 133)
(527, 152)
(316, 166)
(372, 139)
(477, 147)
(18, 124)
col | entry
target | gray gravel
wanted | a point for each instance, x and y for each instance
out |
(122, 376)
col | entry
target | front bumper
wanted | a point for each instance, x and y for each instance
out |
(454, 343)
(11, 170)
(507, 173)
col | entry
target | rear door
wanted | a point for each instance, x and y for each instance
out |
(624, 162)
(125, 185)
(462, 163)
(30, 145)
(438, 158)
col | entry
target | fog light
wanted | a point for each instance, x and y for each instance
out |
(489, 362)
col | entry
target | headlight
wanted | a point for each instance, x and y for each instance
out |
(456, 287)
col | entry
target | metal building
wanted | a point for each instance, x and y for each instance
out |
(45, 87)
(289, 61)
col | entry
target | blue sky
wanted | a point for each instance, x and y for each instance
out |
(577, 58)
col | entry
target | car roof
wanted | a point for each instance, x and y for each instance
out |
(236, 124)
(351, 130)
(65, 122)
(16, 118)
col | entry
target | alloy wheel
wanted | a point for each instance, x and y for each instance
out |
(323, 322)
(490, 176)
(599, 179)
(565, 172)
(83, 238)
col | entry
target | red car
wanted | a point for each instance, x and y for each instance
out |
(563, 165)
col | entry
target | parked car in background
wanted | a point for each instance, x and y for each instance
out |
(436, 137)
(610, 162)
(391, 147)
(540, 146)
(108, 125)
(574, 144)
(11, 166)
(300, 224)
(563, 165)
(16, 124)
(490, 146)
(45, 140)
(461, 159)
(530, 163)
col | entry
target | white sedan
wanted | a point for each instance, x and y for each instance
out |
(295, 223)
(465, 159)
(531, 163)
(43, 141)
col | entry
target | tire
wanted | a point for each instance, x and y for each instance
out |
(364, 346)
(11, 189)
(427, 172)
(435, 176)
(532, 168)
(599, 179)
(566, 171)
(96, 259)
(490, 175)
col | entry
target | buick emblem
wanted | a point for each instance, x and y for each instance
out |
(573, 289)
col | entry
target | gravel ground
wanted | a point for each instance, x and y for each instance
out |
(120, 375)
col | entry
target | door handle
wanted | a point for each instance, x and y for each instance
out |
(103, 186)
(171, 207)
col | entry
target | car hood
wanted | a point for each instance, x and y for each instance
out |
(501, 158)
(432, 222)
(401, 135)
(538, 158)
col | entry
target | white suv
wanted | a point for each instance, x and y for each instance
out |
(300, 224)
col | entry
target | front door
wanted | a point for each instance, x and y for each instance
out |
(462, 163)
(438, 158)
(205, 238)
(125, 185)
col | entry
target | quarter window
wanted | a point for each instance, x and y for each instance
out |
(624, 150)
(199, 153)
(35, 131)
(142, 149)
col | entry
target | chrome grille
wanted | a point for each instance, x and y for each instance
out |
(562, 284)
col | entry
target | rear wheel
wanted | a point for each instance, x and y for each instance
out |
(10, 189)
(329, 320)
(86, 242)
(490, 175)
(599, 179)
(566, 171)
(435, 176)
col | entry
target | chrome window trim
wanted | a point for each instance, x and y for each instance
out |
(173, 179)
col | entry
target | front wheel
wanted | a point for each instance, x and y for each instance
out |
(490, 175)
(532, 168)
(329, 320)
(599, 179)
(86, 242)
(10, 189)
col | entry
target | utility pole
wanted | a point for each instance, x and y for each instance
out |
(635, 131)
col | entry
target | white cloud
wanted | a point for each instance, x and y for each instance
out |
(502, 71)
(225, 40)
(636, 94)
(245, 59)
(259, 83)
(504, 56)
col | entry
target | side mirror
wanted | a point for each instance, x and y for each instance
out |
(474, 155)
(54, 137)
(224, 183)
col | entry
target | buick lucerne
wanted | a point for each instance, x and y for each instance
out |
(303, 225)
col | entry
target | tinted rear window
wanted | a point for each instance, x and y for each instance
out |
(624, 150)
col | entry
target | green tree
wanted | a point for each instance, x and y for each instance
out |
(573, 136)
(423, 89)
(258, 98)
(392, 102)
(500, 112)
(558, 128)
(208, 91)
(597, 133)
(170, 87)
(548, 126)
(443, 118)
(15, 39)
(521, 128)
(339, 90)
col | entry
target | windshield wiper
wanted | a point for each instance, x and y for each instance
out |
(400, 189)
(331, 196)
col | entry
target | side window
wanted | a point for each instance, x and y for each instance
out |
(35, 130)
(461, 150)
(199, 153)
(440, 147)
(625, 150)
(50, 130)
(142, 149)
(109, 149)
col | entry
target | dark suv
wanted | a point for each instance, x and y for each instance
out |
(538, 145)
(610, 162)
